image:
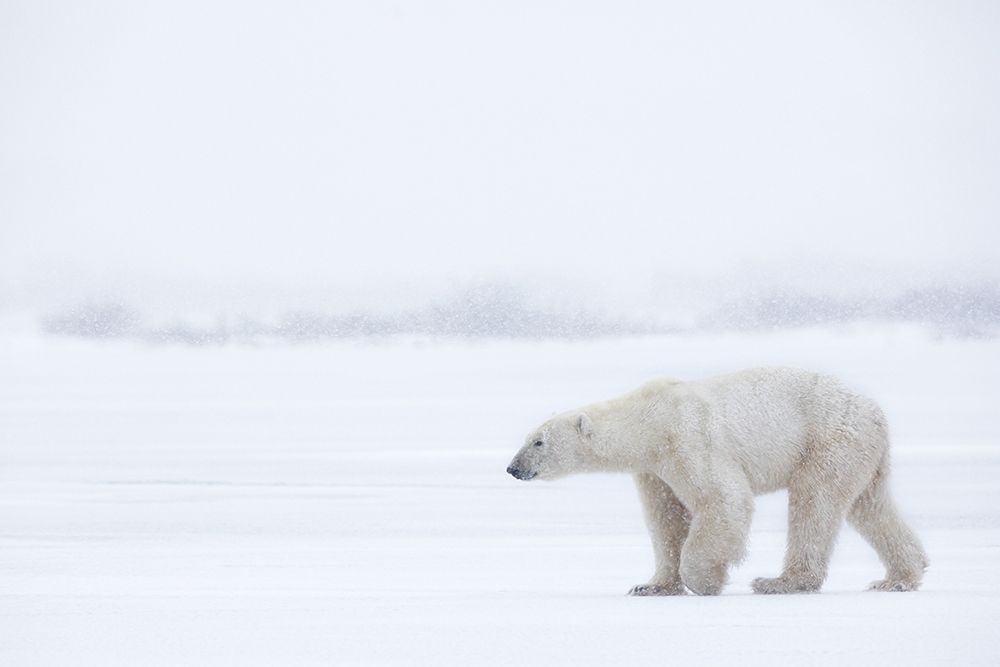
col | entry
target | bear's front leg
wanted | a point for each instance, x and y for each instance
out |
(667, 520)
(716, 541)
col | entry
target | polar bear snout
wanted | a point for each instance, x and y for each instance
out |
(518, 473)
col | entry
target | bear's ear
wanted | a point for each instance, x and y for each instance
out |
(584, 426)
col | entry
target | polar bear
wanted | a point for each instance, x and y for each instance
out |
(700, 451)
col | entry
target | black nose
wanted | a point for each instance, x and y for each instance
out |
(518, 473)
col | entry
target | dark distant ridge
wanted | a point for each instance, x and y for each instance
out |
(500, 311)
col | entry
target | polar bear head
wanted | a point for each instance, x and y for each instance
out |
(558, 447)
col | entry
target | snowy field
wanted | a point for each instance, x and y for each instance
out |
(347, 503)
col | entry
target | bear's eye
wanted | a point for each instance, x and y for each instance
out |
(537, 443)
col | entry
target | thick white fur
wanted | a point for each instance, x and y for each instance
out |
(700, 451)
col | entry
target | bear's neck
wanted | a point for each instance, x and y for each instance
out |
(630, 431)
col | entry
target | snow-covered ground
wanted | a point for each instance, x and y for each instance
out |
(347, 504)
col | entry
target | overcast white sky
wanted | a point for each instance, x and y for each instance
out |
(288, 140)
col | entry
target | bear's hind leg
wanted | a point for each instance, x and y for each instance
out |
(874, 515)
(667, 520)
(818, 500)
(813, 524)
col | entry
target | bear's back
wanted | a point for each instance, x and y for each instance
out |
(761, 417)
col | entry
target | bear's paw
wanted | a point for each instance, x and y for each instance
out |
(649, 590)
(894, 585)
(782, 586)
